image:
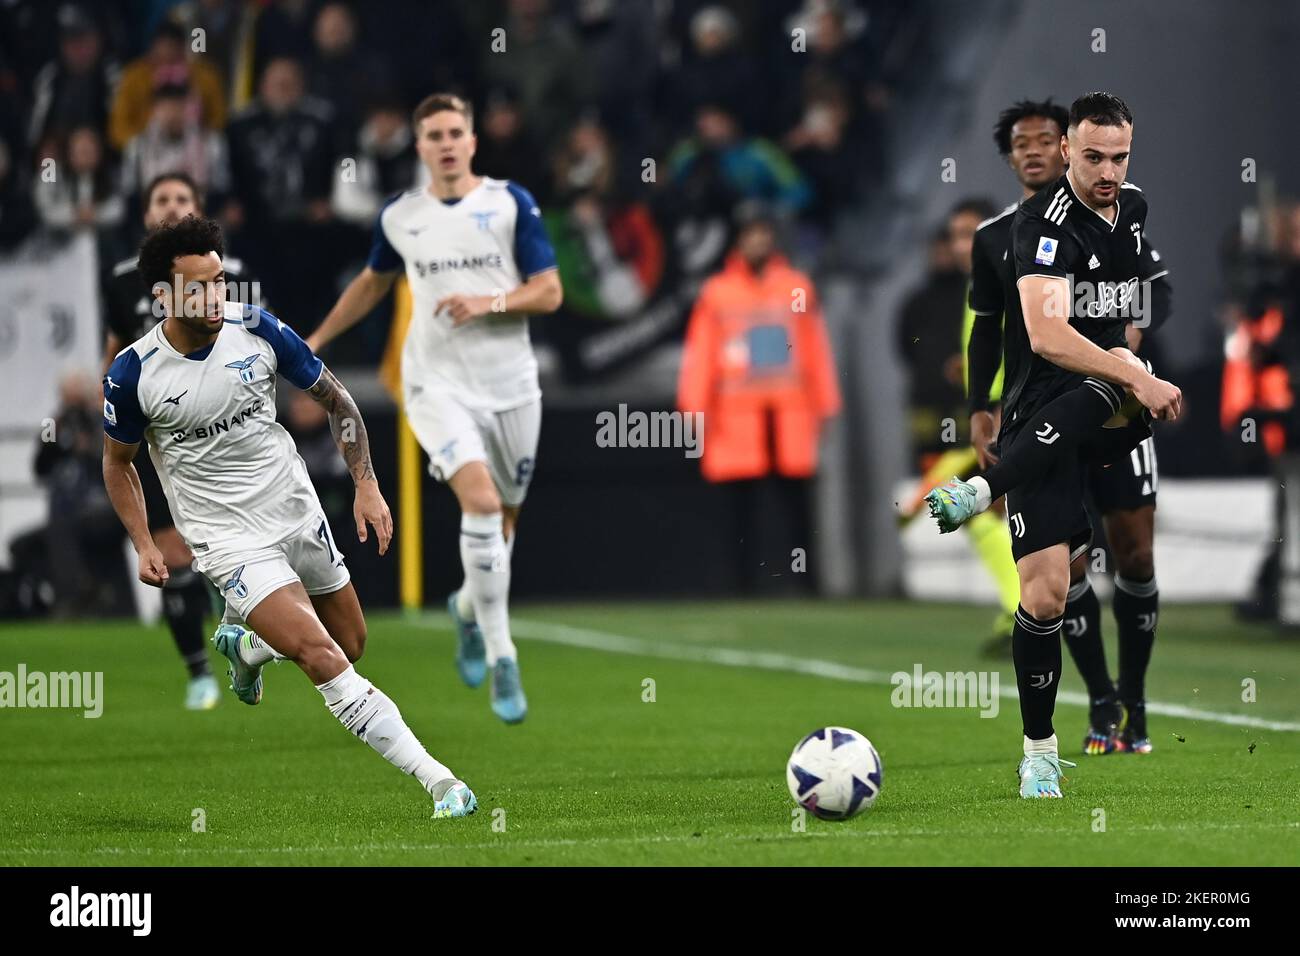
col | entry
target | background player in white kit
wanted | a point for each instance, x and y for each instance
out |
(479, 263)
(199, 387)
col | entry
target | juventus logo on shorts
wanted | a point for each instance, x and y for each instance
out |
(1039, 681)
(1017, 525)
(1147, 621)
(1046, 431)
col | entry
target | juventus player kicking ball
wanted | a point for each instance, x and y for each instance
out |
(1028, 135)
(199, 388)
(479, 263)
(1077, 246)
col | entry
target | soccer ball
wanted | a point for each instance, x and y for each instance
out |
(834, 773)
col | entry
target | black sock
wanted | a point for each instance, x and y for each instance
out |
(1036, 650)
(1056, 429)
(186, 607)
(1082, 630)
(1107, 445)
(1137, 608)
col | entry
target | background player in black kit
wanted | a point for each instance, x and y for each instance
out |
(1028, 135)
(1077, 248)
(168, 199)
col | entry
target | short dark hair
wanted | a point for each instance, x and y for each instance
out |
(1103, 109)
(173, 177)
(192, 236)
(439, 103)
(1012, 115)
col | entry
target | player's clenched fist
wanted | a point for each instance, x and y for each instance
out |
(1164, 399)
(153, 569)
(371, 508)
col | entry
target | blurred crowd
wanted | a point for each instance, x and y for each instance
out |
(293, 118)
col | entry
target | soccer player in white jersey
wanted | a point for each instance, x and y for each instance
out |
(479, 263)
(199, 388)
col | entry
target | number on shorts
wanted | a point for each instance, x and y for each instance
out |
(323, 532)
(1141, 458)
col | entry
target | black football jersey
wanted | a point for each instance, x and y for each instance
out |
(128, 306)
(1054, 233)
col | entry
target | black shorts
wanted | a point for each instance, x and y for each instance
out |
(155, 501)
(1128, 483)
(1049, 509)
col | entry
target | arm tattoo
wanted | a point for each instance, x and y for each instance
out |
(346, 424)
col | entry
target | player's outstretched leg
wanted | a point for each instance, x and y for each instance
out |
(1055, 430)
(486, 560)
(1036, 651)
(287, 621)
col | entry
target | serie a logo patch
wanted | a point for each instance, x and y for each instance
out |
(1046, 253)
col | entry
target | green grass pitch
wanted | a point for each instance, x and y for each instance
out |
(597, 775)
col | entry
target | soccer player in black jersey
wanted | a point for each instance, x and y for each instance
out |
(1028, 135)
(1077, 248)
(129, 314)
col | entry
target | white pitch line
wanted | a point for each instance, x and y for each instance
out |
(773, 661)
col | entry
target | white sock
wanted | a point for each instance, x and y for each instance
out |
(1034, 747)
(465, 596)
(983, 496)
(368, 712)
(486, 559)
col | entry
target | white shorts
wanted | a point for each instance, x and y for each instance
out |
(310, 556)
(454, 435)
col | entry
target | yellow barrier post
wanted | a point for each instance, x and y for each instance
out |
(410, 525)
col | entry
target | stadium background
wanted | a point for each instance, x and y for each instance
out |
(668, 674)
(845, 137)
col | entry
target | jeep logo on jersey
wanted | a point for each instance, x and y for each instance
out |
(1107, 299)
(245, 368)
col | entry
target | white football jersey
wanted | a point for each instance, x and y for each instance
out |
(231, 473)
(487, 242)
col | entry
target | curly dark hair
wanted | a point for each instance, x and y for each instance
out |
(1012, 115)
(192, 236)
